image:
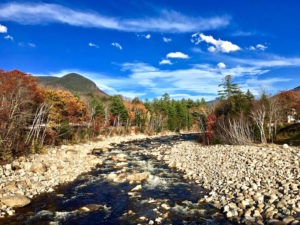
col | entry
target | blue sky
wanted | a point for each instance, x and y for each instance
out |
(146, 48)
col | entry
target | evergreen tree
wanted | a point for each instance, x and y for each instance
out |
(229, 88)
(117, 108)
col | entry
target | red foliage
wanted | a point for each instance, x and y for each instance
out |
(210, 124)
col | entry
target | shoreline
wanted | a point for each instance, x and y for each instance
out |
(250, 184)
(27, 177)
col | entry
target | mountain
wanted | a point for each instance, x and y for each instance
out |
(297, 89)
(74, 83)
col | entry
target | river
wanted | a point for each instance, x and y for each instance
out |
(166, 197)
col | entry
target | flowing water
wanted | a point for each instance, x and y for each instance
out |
(165, 198)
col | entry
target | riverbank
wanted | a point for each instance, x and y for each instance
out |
(251, 184)
(27, 177)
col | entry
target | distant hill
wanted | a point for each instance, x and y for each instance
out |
(74, 83)
(297, 89)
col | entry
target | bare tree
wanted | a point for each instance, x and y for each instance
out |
(274, 115)
(258, 114)
(235, 131)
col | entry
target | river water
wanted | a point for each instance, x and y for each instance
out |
(165, 198)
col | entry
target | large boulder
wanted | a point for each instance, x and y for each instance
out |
(15, 201)
(38, 167)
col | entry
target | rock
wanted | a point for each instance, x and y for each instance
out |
(288, 219)
(232, 213)
(137, 188)
(15, 201)
(98, 151)
(165, 206)
(119, 158)
(172, 164)
(71, 153)
(90, 208)
(38, 167)
(15, 165)
(285, 146)
(275, 222)
(138, 177)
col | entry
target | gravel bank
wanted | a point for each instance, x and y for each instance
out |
(26, 177)
(251, 184)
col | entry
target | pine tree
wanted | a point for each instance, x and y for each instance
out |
(229, 88)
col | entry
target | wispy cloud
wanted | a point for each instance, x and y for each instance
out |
(31, 45)
(117, 45)
(3, 29)
(258, 47)
(166, 21)
(177, 55)
(166, 40)
(165, 62)
(93, 45)
(215, 45)
(197, 81)
(8, 37)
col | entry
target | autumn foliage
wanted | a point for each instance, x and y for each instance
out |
(19, 98)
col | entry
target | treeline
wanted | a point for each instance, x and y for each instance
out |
(239, 118)
(32, 116)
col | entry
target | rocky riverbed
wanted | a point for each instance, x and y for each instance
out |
(27, 177)
(250, 184)
(129, 187)
(128, 183)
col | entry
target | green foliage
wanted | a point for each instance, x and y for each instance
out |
(96, 105)
(229, 88)
(117, 108)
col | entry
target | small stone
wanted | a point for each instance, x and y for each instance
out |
(137, 188)
(285, 146)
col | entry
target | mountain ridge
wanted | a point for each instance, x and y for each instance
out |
(73, 82)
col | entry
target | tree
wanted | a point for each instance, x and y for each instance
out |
(19, 99)
(229, 88)
(258, 114)
(118, 110)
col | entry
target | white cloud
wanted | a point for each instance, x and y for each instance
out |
(146, 36)
(177, 55)
(165, 62)
(166, 21)
(261, 47)
(221, 65)
(117, 45)
(166, 40)
(211, 49)
(216, 45)
(258, 47)
(31, 45)
(8, 37)
(91, 44)
(196, 81)
(3, 29)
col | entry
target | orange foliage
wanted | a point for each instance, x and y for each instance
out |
(66, 107)
(17, 88)
(133, 108)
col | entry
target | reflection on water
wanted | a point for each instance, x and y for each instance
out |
(165, 198)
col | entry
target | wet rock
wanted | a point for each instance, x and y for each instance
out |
(137, 188)
(138, 177)
(90, 208)
(15, 201)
